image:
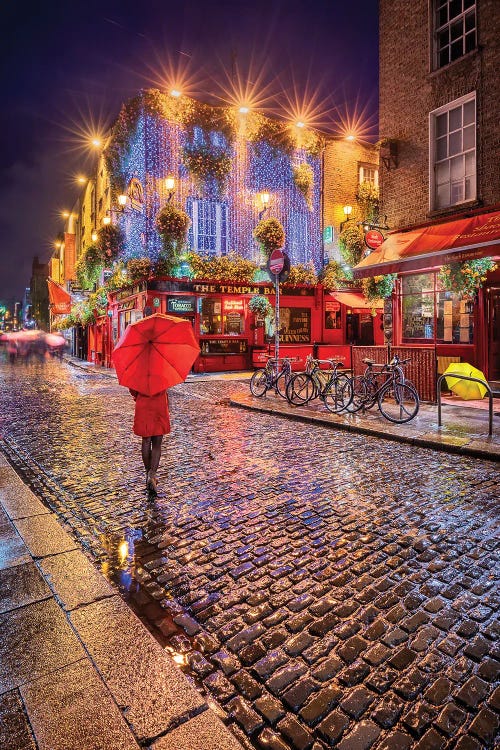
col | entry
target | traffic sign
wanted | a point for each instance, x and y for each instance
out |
(276, 261)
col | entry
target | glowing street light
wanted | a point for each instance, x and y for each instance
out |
(175, 92)
(170, 186)
(96, 142)
(244, 110)
(299, 124)
(94, 236)
(106, 220)
(122, 200)
(81, 180)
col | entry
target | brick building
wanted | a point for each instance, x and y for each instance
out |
(439, 180)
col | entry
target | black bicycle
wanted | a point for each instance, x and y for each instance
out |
(396, 397)
(332, 387)
(276, 374)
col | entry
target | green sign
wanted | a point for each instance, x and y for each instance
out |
(328, 234)
(156, 302)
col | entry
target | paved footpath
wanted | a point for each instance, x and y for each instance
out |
(324, 588)
(77, 668)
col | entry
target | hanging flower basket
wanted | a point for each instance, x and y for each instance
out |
(259, 305)
(467, 277)
(378, 287)
(270, 235)
(172, 224)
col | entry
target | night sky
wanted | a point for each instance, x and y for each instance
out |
(68, 66)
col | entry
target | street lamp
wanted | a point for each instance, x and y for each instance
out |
(264, 200)
(347, 213)
(170, 185)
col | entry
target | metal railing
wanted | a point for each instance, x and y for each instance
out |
(473, 380)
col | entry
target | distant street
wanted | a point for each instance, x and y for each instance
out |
(325, 588)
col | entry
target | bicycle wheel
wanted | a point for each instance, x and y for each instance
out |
(281, 384)
(398, 402)
(359, 394)
(338, 394)
(258, 383)
(301, 389)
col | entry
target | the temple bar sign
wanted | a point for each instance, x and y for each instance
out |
(181, 304)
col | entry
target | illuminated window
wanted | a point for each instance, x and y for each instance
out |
(208, 233)
(453, 153)
(368, 173)
(454, 30)
(431, 314)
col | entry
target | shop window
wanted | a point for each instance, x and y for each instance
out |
(222, 317)
(434, 315)
(208, 233)
(453, 150)
(454, 30)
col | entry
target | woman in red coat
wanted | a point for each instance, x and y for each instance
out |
(151, 422)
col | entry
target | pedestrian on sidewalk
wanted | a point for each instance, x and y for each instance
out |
(151, 422)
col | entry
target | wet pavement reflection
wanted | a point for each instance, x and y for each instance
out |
(322, 587)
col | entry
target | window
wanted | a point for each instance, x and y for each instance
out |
(208, 231)
(222, 317)
(453, 153)
(431, 314)
(368, 173)
(454, 30)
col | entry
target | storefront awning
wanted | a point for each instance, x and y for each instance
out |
(357, 301)
(432, 246)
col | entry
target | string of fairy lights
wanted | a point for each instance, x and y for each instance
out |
(261, 183)
(155, 150)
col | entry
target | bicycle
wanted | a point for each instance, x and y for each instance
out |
(272, 376)
(332, 387)
(396, 397)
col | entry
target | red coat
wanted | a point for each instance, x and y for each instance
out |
(151, 414)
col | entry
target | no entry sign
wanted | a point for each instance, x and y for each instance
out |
(276, 261)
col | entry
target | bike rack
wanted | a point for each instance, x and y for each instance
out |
(474, 380)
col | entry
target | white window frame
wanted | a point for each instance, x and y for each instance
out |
(362, 176)
(219, 220)
(459, 19)
(434, 162)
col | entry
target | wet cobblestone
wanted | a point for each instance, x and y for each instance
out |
(327, 589)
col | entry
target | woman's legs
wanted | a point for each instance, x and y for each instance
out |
(146, 453)
(154, 461)
(155, 453)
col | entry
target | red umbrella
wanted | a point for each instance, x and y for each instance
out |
(155, 353)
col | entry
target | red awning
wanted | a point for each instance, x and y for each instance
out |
(435, 245)
(356, 300)
(60, 300)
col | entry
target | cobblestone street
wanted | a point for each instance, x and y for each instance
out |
(326, 589)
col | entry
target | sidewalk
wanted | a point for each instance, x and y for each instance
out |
(77, 668)
(464, 429)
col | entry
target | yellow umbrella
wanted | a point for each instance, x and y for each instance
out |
(466, 389)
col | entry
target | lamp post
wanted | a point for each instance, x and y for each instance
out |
(264, 201)
(347, 213)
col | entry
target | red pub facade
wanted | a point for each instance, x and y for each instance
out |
(230, 336)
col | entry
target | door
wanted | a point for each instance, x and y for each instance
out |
(494, 333)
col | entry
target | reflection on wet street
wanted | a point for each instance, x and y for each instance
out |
(323, 587)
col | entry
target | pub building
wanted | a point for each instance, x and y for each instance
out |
(232, 338)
